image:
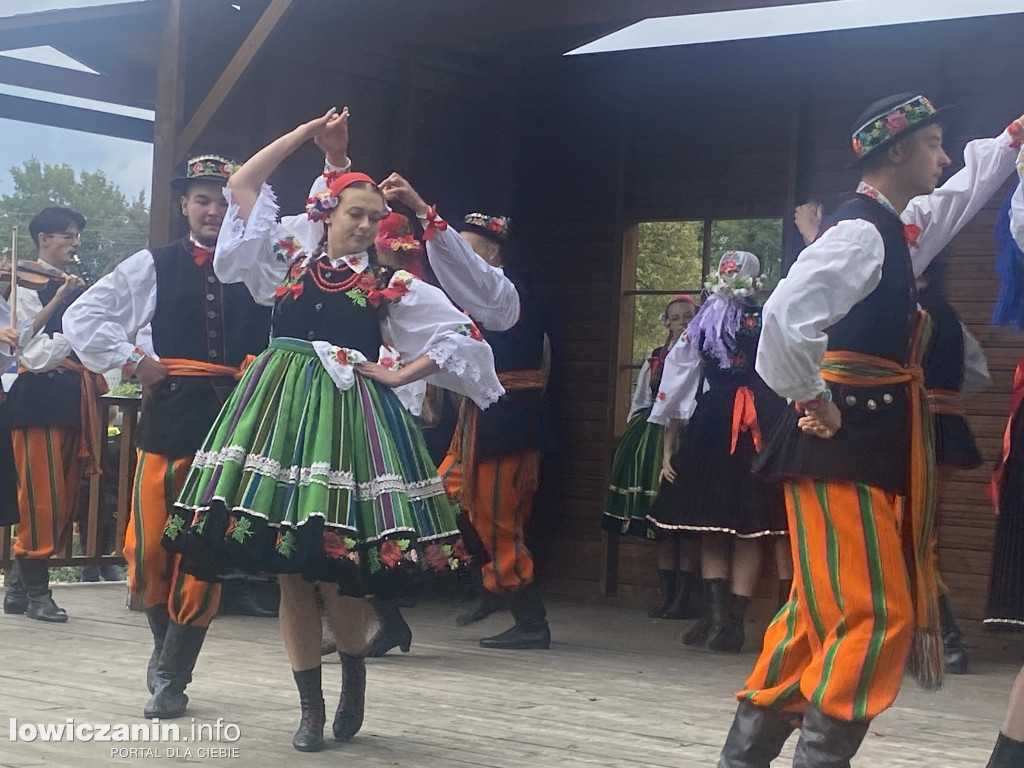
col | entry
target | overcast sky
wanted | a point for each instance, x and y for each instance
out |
(127, 163)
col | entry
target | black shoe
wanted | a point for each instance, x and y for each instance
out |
(1008, 753)
(697, 635)
(684, 606)
(730, 638)
(394, 631)
(756, 737)
(349, 717)
(719, 602)
(15, 597)
(952, 639)
(520, 637)
(667, 589)
(247, 597)
(35, 575)
(158, 621)
(178, 655)
(827, 742)
(310, 735)
(485, 605)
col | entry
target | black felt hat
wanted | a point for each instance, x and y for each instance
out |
(890, 119)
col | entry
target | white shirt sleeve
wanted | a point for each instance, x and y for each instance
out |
(677, 395)
(424, 322)
(943, 213)
(642, 394)
(1017, 205)
(483, 291)
(43, 352)
(7, 355)
(100, 325)
(830, 276)
(976, 375)
(259, 250)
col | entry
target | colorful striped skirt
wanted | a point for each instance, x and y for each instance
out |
(298, 476)
(635, 477)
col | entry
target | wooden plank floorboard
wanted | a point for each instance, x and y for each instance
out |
(616, 690)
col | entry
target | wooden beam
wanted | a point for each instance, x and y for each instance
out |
(170, 106)
(75, 118)
(239, 63)
(26, 30)
(44, 77)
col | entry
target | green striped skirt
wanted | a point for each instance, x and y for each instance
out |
(296, 476)
(635, 477)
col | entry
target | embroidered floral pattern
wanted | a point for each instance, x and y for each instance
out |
(1016, 131)
(174, 527)
(287, 248)
(470, 330)
(285, 544)
(240, 529)
(890, 125)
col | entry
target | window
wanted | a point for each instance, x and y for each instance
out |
(664, 258)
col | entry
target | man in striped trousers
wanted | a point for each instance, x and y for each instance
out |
(842, 339)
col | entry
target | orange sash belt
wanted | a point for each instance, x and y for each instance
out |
(927, 657)
(180, 366)
(947, 401)
(522, 379)
(744, 418)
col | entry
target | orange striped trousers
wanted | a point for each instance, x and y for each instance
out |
(842, 640)
(154, 574)
(48, 474)
(499, 508)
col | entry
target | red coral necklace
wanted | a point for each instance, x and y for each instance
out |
(318, 270)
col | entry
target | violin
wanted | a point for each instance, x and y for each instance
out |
(33, 275)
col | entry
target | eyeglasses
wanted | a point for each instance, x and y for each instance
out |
(67, 236)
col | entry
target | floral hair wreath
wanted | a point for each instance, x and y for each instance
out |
(320, 205)
(722, 283)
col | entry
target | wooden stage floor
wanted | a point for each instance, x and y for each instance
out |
(616, 690)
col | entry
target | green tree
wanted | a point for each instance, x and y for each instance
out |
(116, 227)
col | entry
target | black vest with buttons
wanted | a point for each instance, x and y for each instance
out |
(873, 445)
(50, 399)
(331, 315)
(196, 318)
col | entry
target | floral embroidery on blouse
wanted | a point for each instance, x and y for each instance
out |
(470, 330)
(287, 248)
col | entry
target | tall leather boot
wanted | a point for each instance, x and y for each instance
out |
(310, 735)
(181, 647)
(684, 606)
(952, 638)
(713, 623)
(531, 627)
(394, 631)
(1008, 753)
(349, 717)
(826, 742)
(486, 603)
(667, 590)
(730, 638)
(756, 737)
(35, 575)
(158, 621)
(15, 596)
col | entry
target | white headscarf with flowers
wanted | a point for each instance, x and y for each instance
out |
(715, 325)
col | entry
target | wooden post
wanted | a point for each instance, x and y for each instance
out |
(170, 105)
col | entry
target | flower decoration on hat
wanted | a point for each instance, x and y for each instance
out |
(884, 128)
(396, 235)
(738, 276)
(212, 168)
(496, 226)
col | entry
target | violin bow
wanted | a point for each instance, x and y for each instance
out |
(14, 277)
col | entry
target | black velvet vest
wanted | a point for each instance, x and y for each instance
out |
(515, 423)
(944, 359)
(51, 399)
(873, 446)
(196, 318)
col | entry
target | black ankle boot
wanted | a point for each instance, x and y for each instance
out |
(531, 628)
(15, 596)
(730, 638)
(756, 737)
(684, 606)
(310, 736)
(719, 604)
(35, 574)
(667, 590)
(952, 638)
(349, 717)
(178, 655)
(394, 631)
(158, 621)
(1008, 753)
(826, 742)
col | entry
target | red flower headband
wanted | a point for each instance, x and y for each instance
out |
(320, 205)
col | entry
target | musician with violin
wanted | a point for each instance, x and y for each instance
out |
(202, 330)
(53, 411)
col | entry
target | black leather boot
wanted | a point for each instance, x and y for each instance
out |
(684, 606)
(249, 597)
(158, 621)
(826, 742)
(394, 631)
(952, 638)
(310, 735)
(718, 613)
(756, 737)
(1008, 753)
(667, 590)
(730, 638)
(178, 655)
(531, 628)
(15, 596)
(35, 575)
(349, 717)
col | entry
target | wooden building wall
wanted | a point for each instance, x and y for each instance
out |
(742, 129)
